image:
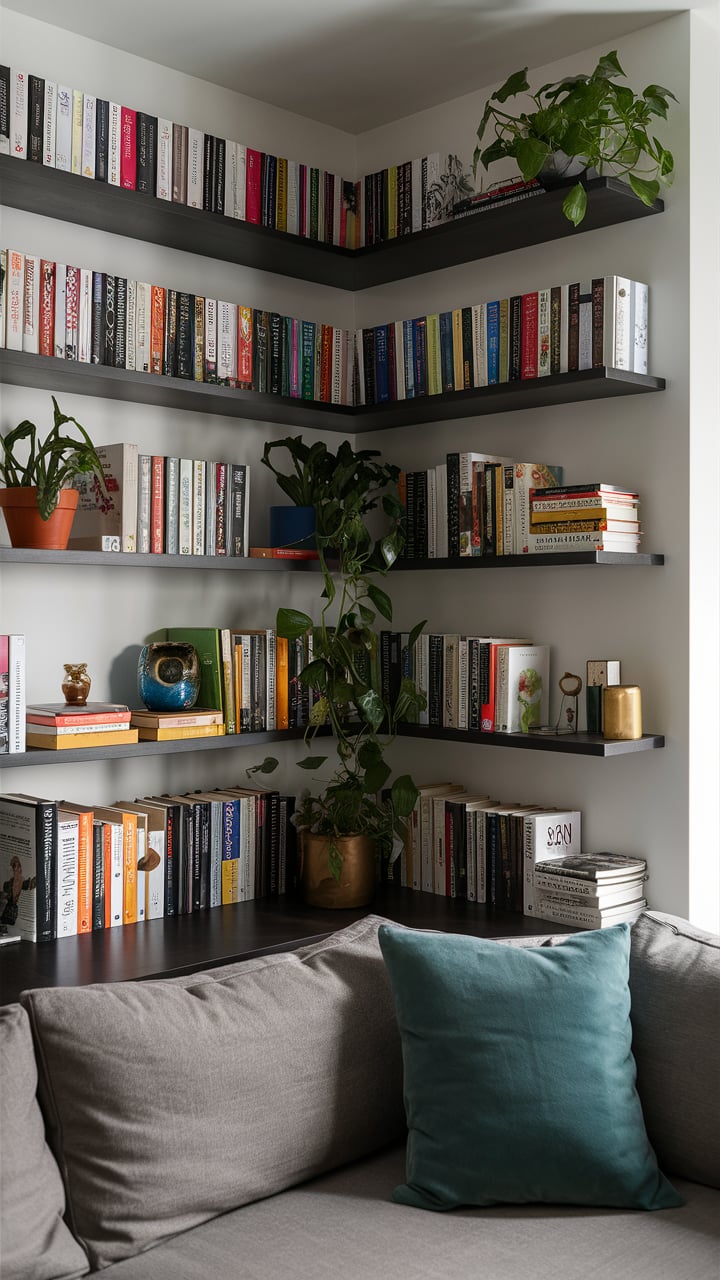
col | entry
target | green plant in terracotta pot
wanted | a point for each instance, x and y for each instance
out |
(358, 815)
(37, 499)
(589, 119)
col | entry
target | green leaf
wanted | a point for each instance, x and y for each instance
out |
(312, 762)
(269, 765)
(315, 673)
(404, 795)
(486, 115)
(372, 707)
(531, 155)
(575, 204)
(381, 600)
(376, 776)
(644, 190)
(291, 624)
(369, 754)
(416, 631)
(389, 552)
(497, 150)
(319, 712)
(608, 67)
(516, 83)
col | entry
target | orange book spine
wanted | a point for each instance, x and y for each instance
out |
(282, 710)
(157, 328)
(245, 348)
(325, 361)
(129, 824)
(107, 872)
(85, 872)
(47, 308)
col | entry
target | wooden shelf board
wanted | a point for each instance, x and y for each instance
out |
(73, 755)
(544, 560)
(252, 564)
(576, 744)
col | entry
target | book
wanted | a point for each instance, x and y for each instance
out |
(547, 837)
(522, 697)
(147, 733)
(67, 874)
(28, 869)
(282, 553)
(583, 917)
(65, 713)
(588, 541)
(175, 719)
(206, 641)
(599, 868)
(16, 694)
(60, 731)
(555, 889)
(4, 693)
(112, 511)
(67, 741)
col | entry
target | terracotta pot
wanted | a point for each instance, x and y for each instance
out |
(356, 886)
(27, 527)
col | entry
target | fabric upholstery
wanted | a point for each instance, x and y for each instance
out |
(35, 1243)
(170, 1102)
(519, 1075)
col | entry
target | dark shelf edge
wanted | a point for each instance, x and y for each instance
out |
(540, 561)
(40, 756)
(250, 564)
(130, 213)
(20, 368)
(578, 744)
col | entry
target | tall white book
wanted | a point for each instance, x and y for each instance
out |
(67, 874)
(163, 189)
(60, 297)
(18, 114)
(195, 162)
(31, 305)
(522, 690)
(111, 512)
(88, 135)
(63, 128)
(49, 123)
(550, 833)
(16, 693)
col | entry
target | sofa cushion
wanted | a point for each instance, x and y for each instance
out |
(675, 992)
(35, 1243)
(169, 1102)
(519, 1076)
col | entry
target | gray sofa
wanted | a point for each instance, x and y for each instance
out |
(247, 1123)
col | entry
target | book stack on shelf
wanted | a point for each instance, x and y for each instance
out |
(59, 726)
(12, 694)
(591, 890)
(561, 329)
(162, 505)
(175, 726)
(584, 517)
(74, 313)
(85, 867)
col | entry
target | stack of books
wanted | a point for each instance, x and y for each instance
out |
(584, 517)
(590, 890)
(59, 726)
(171, 726)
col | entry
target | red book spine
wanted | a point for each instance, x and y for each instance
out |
(119, 718)
(157, 328)
(253, 185)
(47, 308)
(529, 336)
(128, 154)
(157, 506)
(487, 709)
(343, 223)
(325, 362)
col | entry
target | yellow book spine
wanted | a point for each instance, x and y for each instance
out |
(458, 372)
(77, 124)
(433, 355)
(230, 881)
(182, 732)
(282, 711)
(71, 740)
(129, 823)
(573, 513)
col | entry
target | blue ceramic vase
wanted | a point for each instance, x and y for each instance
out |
(168, 675)
(293, 527)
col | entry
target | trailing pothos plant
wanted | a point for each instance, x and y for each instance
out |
(605, 124)
(51, 463)
(343, 673)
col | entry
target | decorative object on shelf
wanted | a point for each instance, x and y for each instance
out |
(354, 885)
(600, 672)
(349, 697)
(452, 186)
(168, 675)
(76, 685)
(622, 713)
(582, 119)
(38, 510)
(570, 688)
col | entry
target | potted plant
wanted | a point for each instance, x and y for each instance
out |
(354, 820)
(591, 120)
(38, 507)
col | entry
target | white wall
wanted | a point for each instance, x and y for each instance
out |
(635, 804)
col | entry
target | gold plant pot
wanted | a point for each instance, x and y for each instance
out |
(356, 886)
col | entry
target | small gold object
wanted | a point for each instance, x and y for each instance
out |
(622, 713)
(76, 685)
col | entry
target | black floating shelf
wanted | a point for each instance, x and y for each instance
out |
(19, 368)
(248, 564)
(576, 744)
(533, 561)
(88, 203)
(73, 755)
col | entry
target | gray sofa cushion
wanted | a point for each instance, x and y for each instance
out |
(170, 1102)
(675, 992)
(345, 1225)
(35, 1243)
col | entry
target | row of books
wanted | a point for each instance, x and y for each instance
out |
(75, 868)
(12, 694)
(561, 329)
(51, 309)
(162, 505)
(64, 128)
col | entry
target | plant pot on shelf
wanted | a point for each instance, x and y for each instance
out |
(358, 876)
(293, 527)
(26, 526)
(559, 167)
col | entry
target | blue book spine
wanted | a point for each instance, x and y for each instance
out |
(382, 373)
(409, 359)
(446, 351)
(493, 342)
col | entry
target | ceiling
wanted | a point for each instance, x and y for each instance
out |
(353, 64)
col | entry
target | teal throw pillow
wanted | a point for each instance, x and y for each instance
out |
(519, 1074)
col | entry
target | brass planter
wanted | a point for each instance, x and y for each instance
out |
(356, 886)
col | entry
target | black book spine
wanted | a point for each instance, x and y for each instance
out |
(435, 680)
(209, 157)
(369, 212)
(420, 344)
(289, 843)
(195, 858)
(555, 319)
(273, 825)
(185, 348)
(467, 348)
(457, 848)
(170, 348)
(492, 857)
(514, 338)
(260, 350)
(102, 139)
(97, 332)
(411, 517)
(484, 671)
(146, 162)
(98, 881)
(46, 870)
(36, 118)
(187, 861)
(110, 320)
(170, 860)
(407, 200)
(421, 515)
(5, 105)
(260, 850)
(368, 340)
(453, 503)
(236, 538)
(202, 810)
(275, 353)
(598, 307)
(270, 190)
(473, 684)
(120, 321)
(219, 166)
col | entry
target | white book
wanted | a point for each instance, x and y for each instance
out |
(432, 519)
(142, 326)
(227, 343)
(617, 322)
(462, 715)
(163, 187)
(3, 293)
(242, 178)
(585, 327)
(431, 211)
(172, 483)
(77, 131)
(198, 524)
(522, 697)
(15, 287)
(112, 512)
(231, 178)
(67, 875)
(85, 316)
(400, 388)
(31, 305)
(49, 123)
(336, 363)
(196, 160)
(16, 694)
(114, 142)
(639, 327)
(527, 476)
(416, 188)
(211, 307)
(130, 325)
(442, 528)
(321, 207)
(479, 340)
(589, 917)
(63, 128)
(422, 666)
(564, 311)
(88, 135)
(293, 208)
(185, 508)
(144, 503)
(561, 890)
(60, 296)
(548, 834)
(18, 114)
(117, 862)
(544, 333)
